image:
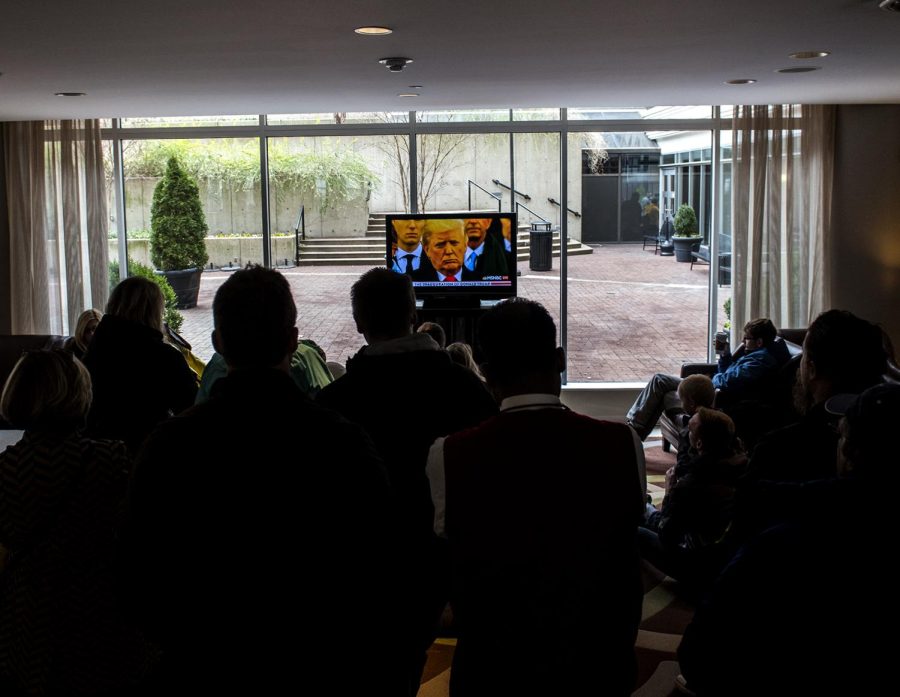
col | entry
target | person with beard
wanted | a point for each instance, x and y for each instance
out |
(842, 353)
(742, 375)
(404, 390)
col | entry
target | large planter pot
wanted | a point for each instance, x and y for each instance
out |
(186, 284)
(684, 246)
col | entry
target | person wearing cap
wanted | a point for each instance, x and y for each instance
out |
(795, 611)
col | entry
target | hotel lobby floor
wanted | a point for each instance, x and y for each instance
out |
(630, 313)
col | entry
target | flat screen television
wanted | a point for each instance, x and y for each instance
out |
(453, 257)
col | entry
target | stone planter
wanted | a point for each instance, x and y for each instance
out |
(684, 246)
(186, 284)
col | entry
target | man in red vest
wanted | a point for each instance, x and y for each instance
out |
(540, 506)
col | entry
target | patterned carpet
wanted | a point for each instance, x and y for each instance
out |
(663, 621)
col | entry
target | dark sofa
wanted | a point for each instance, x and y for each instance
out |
(12, 346)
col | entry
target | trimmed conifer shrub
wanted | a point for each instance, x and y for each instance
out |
(177, 223)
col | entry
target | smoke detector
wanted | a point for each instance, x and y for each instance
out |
(396, 64)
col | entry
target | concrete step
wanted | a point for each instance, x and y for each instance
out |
(341, 242)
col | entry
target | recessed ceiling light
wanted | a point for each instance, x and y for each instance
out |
(407, 94)
(805, 55)
(373, 31)
(806, 69)
(890, 5)
(412, 87)
(741, 81)
(70, 94)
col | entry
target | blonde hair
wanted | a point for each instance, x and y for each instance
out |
(462, 353)
(433, 225)
(47, 390)
(139, 300)
(84, 321)
(699, 389)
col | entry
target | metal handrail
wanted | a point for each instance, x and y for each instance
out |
(299, 233)
(509, 188)
(493, 196)
(557, 203)
(522, 205)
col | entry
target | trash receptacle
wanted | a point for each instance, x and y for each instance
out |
(540, 252)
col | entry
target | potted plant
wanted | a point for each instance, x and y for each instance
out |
(687, 233)
(178, 233)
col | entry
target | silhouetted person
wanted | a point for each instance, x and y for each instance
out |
(540, 506)
(405, 391)
(257, 548)
(687, 538)
(842, 353)
(61, 627)
(797, 612)
(138, 379)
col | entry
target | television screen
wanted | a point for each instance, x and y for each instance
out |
(465, 254)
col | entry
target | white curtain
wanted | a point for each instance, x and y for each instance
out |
(58, 223)
(783, 170)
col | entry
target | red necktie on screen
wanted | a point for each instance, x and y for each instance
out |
(452, 279)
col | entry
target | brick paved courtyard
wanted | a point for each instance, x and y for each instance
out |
(630, 313)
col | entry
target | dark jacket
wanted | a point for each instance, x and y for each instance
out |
(137, 380)
(405, 401)
(257, 546)
(798, 609)
(541, 509)
(61, 626)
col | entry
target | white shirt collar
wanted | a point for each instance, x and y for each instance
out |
(530, 400)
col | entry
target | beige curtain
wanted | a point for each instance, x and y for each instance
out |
(782, 181)
(58, 223)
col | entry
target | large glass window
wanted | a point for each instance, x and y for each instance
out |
(631, 311)
(227, 174)
(627, 310)
(337, 118)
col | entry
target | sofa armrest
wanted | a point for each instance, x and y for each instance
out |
(698, 369)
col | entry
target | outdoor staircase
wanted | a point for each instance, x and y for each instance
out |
(370, 249)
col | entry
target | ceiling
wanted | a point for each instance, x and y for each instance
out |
(205, 57)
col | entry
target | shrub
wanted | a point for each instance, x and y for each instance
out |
(172, 316)
(178, 226)
(686, 222)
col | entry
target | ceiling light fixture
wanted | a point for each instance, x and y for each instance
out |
(890, 5)
(70, 94)
(805, 69)
(412, 87)
(407, 94)
(396, 63)
(741, 81)
(373, 31)
(805, 55)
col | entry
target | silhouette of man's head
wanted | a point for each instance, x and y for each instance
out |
(841, 353)
(518, 344)
(384, 305)
(255, 319)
